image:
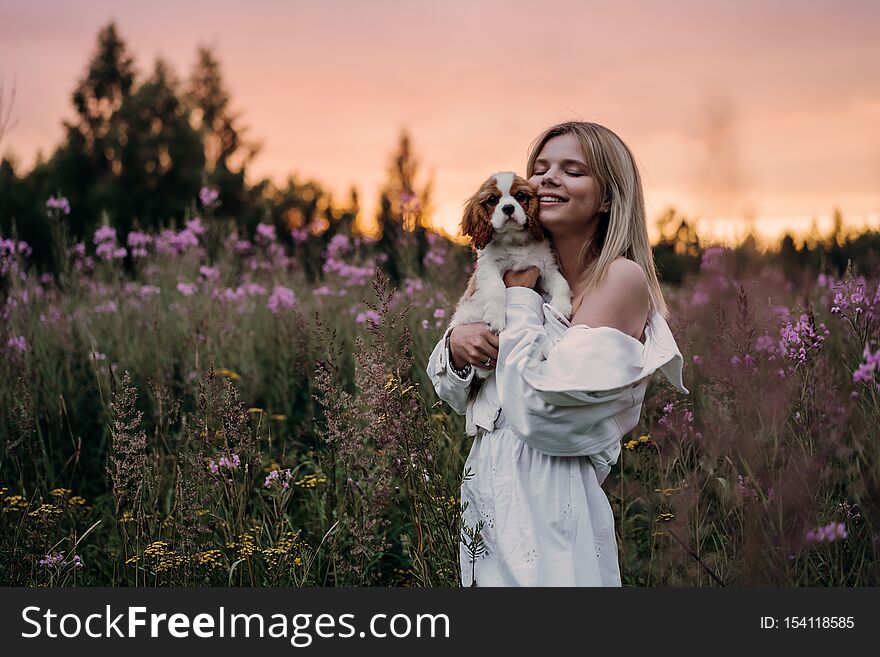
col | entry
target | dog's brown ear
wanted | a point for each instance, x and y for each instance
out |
(536, 229)
(476, 224)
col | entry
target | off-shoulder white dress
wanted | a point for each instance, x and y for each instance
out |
(562, 398)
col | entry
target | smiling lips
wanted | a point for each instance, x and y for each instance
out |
(551, 199)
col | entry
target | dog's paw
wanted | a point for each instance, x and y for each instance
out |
(562, 305)
(496, 319)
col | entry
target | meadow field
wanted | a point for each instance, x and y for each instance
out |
(197, 407)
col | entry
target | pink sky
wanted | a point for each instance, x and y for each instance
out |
(794, 90)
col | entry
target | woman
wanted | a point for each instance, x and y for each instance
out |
(548, 422)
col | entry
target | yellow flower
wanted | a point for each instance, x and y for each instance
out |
(229, 374)
(60, 492)
(16, 502)
(76, 500)
(630, 444)
(45, 510)
(665, 517)
(279, 418)
(644, 439)
(254, 409)
(298, 561)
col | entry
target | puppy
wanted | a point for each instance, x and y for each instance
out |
(502, 221)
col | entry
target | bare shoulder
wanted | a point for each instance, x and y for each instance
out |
(621, 301)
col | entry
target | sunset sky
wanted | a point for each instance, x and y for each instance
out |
(733, 110)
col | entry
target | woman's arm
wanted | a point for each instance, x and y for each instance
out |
(450, 387)
(568, 399)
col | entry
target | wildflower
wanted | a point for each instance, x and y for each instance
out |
(279, 417)
(425, 324)
(138, 243)
(281, 298)
(801, 338)
(229, 374)
(209, 273)
(59, 203)
(321, 291)
(829, 533)
(371, 315)
(698, 360)
(665, 517)
(299, 235)
(265, 233)
(439, 313)
(51, 560)
(279, 475)
(17, 342)
(77, 562)
(865, 371)
(187, 289)
(224, 462)
(209, 197)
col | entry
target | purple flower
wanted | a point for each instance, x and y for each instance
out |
(224, 462)
(829, 533)
(265, 233)
(187, 289)
(282, 476)
(60, 203)
(439, 313)
(104, 308)
(209, 197)
(698, 360)
(195, 226)
(322, 291)
(77, 562)
(371, 315)
(138, 243)
(299, 235)
(209, 273)
(51, 560)
(17, 342)
(104, 234)
(281, 298)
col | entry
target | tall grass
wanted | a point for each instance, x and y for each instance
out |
(199, 413)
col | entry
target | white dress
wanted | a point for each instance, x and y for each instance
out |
(547, 522)
(547, 427)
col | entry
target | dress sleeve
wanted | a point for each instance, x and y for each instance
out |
(450, 387)
(565, 399)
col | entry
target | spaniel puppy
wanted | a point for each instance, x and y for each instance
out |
(502, 221)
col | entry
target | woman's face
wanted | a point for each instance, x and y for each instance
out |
(561, 170)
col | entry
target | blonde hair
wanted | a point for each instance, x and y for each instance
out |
(624, 230)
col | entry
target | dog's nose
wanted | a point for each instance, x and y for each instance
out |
(507, 209)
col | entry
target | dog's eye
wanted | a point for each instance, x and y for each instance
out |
(492, 200)
(520, 196)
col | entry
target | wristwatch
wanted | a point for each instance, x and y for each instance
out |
(461, 373)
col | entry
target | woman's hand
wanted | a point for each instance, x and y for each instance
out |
(475, 344)
(525, 278)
